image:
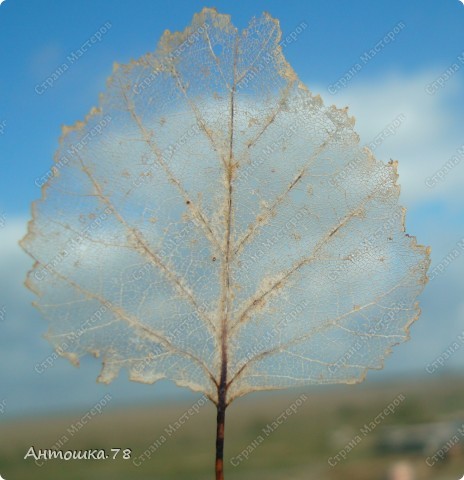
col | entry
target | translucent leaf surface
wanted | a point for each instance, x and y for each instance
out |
(214, 222)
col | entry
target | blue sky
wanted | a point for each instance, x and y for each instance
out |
(401, 91)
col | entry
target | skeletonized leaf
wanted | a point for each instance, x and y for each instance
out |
(214, 223)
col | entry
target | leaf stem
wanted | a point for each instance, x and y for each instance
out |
(221, 417)
(221, 414)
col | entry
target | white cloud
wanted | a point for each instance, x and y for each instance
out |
(423, 143)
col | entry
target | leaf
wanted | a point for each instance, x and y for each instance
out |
(214, 223)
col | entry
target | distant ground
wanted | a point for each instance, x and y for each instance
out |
(303, 430)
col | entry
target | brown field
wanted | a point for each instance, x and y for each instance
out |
(299, 448)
